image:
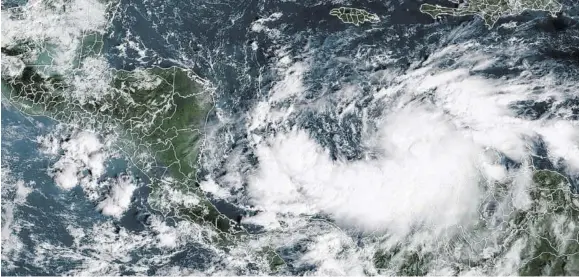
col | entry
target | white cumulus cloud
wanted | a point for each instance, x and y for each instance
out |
(118, 199)
(82, 151)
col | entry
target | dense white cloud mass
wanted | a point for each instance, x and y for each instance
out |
(437, 161)
(429, 174)
(119, 196)
(82, 151)
(437, 157)
(562, 137)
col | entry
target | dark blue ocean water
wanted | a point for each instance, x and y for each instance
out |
(49, 209)
(214, 40)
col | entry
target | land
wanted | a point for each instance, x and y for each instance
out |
(491, 10)
(354, 16)
(551, 227)
(548, 227)
(158, 114)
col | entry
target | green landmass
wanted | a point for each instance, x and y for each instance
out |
(354, 16)
(549, 229)
(491, 10)
(275, 262)
(552, 228)
(158, 116)
(158, 113)
(401, 260)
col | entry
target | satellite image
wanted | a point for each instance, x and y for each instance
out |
(228, 137)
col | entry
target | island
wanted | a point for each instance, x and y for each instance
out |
(354, 16)
(491, 10)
